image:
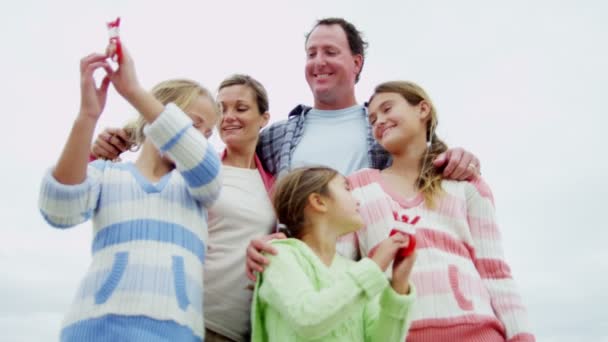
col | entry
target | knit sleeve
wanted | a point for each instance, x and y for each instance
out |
(173, 133)
(491, 264)
(65, 206)
(313, 313)
(387, 318)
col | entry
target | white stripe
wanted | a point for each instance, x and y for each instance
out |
(154, 253)
(445, 305)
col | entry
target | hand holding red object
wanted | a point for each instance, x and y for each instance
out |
(405, 226)
(403, 252)
(114, 30)
(407, 251)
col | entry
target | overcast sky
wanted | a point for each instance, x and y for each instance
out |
(519, 83)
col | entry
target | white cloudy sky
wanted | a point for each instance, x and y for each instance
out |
(520, 83)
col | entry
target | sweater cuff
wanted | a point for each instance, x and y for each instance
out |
(369, 277)
(168, 127)
(395, 304)
(59, 203)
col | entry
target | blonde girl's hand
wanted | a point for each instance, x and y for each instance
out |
(124, 78)
(384, 253)
(402, 269)
(93, 98)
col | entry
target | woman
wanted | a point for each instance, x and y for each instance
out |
(243, 210)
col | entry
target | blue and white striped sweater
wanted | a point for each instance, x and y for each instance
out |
(145, 281)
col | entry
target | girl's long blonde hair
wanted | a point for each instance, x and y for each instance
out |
(429, 181)
(179, 91)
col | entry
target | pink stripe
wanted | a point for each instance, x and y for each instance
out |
(429, 238)
(461, 328)
(452, 206)
(522, 337)
(362, 178)
(507, 308)
(431, 283)
(463, 302)
(375, 211)
(507, 303)
(483, 188)
(483, 229)
(493, 269)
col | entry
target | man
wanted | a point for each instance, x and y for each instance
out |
(335, 132)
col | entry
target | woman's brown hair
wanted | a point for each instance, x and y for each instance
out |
(261, 96)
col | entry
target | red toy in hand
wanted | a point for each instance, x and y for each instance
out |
(403, 253)
(114, 30)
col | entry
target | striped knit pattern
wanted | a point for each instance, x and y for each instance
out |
(465, 288)
(145, 282)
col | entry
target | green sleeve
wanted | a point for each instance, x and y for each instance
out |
(387, 318)
(313, 313)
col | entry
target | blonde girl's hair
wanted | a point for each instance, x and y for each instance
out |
(290, 196)
(179, 91)
(429, 181)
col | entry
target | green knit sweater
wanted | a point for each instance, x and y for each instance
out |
(299, 298)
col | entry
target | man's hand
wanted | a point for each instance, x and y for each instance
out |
(459, 164)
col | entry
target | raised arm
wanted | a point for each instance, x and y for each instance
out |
(68, 194)
(72, 165)
(172, 132)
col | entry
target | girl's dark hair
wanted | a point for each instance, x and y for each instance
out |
(290, 196)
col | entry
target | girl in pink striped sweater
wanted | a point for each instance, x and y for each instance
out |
(465, 288)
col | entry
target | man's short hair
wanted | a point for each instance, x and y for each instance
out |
(355, 40)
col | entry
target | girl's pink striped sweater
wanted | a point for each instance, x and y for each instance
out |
(465, 288)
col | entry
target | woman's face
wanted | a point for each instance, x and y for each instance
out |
(241, 119)
(395, 122)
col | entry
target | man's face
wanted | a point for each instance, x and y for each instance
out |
(331, 68)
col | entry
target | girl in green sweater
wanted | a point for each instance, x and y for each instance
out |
(308, 292)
